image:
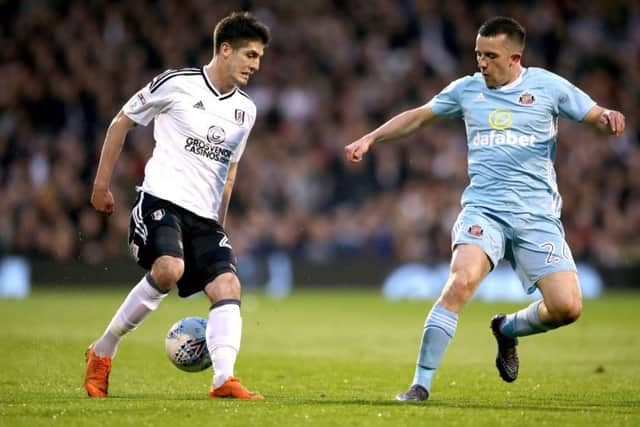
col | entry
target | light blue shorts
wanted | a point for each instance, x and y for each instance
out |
(534, 246)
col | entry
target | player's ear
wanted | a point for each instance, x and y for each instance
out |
(225, 49)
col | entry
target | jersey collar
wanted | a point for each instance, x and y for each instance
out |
(213, 89)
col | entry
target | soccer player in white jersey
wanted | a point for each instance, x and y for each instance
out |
(202, 122)
(511, 208)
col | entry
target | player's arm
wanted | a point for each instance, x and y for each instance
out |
(101, 197)
(226, 193)
(400, 125)
(607, 121)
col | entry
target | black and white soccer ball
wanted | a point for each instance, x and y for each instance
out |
(186, 344)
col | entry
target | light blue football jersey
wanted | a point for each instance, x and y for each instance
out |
(512, 136)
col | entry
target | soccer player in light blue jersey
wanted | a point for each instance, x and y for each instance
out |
(511, 207)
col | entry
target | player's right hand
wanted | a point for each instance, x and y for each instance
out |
(357, 149)
(102, 200)
(613, 121)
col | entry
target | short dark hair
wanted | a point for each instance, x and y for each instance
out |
(504, 25)
(238, 28)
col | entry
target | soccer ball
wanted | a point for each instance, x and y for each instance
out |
(186, 344)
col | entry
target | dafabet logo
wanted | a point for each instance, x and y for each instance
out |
(500, 119)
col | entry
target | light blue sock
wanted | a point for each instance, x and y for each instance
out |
(439, 328)
(524, 322)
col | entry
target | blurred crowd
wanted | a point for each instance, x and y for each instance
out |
(334, 70)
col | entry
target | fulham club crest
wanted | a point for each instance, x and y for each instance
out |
(239, 117)
(158, 214)
(526, 99)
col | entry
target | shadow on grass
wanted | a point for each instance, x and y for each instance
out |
(557, 405)
(620, 407)
(631, 406)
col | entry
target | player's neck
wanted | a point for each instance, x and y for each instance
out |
(513, 80)
(218, 76)
(517, 72)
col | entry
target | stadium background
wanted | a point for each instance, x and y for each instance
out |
(333, 71)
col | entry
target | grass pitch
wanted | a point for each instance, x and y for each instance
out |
(320, 358)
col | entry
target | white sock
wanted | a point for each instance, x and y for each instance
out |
(224, 331)
(144, 298)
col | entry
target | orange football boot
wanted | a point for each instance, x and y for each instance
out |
(234, 390)
(96, 380)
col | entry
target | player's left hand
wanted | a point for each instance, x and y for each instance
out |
(102, 200)
(613, 121)
(356, 150)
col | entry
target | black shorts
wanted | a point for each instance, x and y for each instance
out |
(159, 227)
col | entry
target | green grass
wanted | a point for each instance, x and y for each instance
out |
(320, 359)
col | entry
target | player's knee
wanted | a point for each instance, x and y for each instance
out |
(458, 290)
(225, 286)
(566, 313)
(167, 270)
(229, 285)
(572, 313)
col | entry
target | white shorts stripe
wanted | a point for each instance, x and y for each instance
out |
(136, 213)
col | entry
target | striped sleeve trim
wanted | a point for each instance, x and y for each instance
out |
(169, 74)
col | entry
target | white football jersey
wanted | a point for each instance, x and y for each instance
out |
(198, 132)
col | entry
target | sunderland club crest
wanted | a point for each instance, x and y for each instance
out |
(526, 98)
(476, 231)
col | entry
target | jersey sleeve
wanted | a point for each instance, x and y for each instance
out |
(572, 102)
(447, 102)
(237, 155)
(150, 101)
